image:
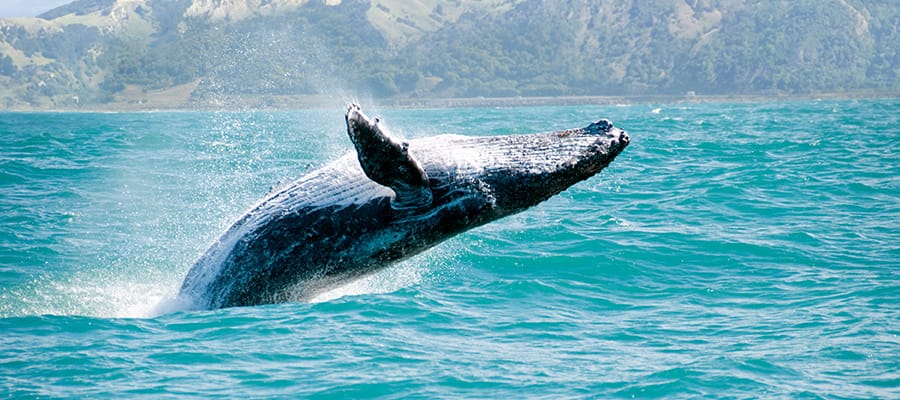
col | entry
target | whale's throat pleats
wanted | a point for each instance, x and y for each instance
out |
(388, 162)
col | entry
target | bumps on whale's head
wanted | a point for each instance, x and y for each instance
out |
(599, 126)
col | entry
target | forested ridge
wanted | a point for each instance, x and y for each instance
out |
(100, 51)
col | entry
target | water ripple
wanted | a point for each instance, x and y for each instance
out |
(732, 251)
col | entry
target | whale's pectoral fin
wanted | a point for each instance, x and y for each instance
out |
(387, 161)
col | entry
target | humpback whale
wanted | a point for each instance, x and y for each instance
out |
(390, 200)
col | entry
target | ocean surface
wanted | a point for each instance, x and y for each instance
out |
(746, 250)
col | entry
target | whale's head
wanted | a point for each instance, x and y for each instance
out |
(521, 171)
(495, 176)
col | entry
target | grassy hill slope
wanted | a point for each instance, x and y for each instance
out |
(93, 52)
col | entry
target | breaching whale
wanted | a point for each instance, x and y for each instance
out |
(389, 201)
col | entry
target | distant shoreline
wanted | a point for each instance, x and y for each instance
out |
(302, 102)
(623, 100)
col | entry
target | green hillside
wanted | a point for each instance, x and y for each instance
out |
(183, 53)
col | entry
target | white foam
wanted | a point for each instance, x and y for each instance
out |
(402, 275)
(387, 281)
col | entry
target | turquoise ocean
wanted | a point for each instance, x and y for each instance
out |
(733, 250)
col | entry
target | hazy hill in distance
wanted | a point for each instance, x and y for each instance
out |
(187, 53)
